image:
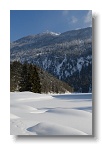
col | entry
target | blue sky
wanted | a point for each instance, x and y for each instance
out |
(29, 22)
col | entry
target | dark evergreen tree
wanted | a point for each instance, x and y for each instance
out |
(15, 74)
(34, 79)
(30, 80)
(25, 84)
(28, 77)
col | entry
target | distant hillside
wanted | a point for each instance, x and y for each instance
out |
(67, 56)
(48, 82)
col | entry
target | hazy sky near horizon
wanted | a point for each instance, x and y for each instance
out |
(30, 22)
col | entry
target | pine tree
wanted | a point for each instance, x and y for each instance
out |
(15, 71)
(25, 84)
(30, 80)
(35, 80)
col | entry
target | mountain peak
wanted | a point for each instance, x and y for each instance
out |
(51, 33)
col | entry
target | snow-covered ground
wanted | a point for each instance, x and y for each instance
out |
(41, 114)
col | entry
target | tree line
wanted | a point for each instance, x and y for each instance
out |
(24, 77)
(29, 77)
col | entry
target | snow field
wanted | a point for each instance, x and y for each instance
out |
(41, 114)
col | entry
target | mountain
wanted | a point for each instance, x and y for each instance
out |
(67, 56)
(48, 83)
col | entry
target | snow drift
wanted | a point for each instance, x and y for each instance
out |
(41, 114)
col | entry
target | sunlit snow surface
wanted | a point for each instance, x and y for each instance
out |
(41, 114)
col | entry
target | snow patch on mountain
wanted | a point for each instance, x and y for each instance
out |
(80, 62)
(60, 65)
(52, 33)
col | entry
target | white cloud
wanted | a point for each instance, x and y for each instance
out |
(74, 20)
(69, 18)
(88, 18)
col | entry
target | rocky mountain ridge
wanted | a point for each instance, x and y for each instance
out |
(67, 56)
